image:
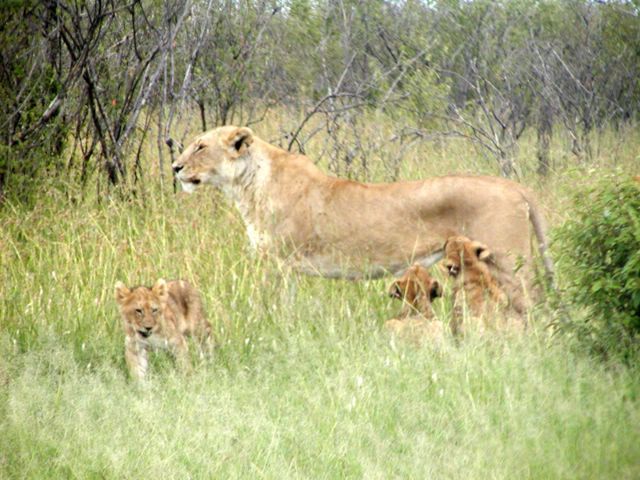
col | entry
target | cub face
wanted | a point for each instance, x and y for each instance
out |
(462, 253)
(416, 287)
(142, 308)
(216, 157)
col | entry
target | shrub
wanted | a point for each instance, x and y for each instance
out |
(599, 258)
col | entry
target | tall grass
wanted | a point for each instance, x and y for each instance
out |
(305, 384)
(317, 408)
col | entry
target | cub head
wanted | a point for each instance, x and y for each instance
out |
(216, 157)
(141, 307)
(416, 287)
(461, 252)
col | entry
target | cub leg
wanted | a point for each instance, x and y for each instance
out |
(181, 351)
(135, 355)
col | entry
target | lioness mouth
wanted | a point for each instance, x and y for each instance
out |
(195, 181)
(145, 333)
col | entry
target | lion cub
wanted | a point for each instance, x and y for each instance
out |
(416, 322)
(160, 317)
(479, 283)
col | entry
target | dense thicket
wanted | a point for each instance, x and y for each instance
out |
(599, 246)
(82, 83)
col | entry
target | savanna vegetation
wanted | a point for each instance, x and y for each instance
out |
(97, 97)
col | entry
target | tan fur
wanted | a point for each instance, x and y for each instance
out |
(340, 228)
(480, 284)
(416, 323)
(417, 290)
(160, 317)
(416, 330)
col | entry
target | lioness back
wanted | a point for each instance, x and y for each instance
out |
(161, 316)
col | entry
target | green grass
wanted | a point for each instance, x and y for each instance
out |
(305, 383)
(315, 408)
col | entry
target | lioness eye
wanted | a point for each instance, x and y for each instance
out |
(139, 311)
(199, 147)
(154, 310)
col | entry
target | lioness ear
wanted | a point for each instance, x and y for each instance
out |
(161, 289)
(238, 141)
(121, 292)
(481, 251)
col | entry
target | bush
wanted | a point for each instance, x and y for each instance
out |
(599, 255)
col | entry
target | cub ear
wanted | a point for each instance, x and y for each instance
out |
(435, 290)
(481, 251)
(161, 289)
(121, 292)
(239, 140)
(395, 290)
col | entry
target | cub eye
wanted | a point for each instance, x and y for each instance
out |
(139, 311)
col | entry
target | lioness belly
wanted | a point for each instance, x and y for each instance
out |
(341, 266)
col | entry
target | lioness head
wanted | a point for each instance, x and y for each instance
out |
(460, 251)
(216, 157)
(415, 285)
(142, 307)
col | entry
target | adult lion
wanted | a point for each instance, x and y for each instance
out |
(340, 228)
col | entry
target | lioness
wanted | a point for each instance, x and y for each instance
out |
(416, 322)
(491, 295)
(340, 228)
(160, 317)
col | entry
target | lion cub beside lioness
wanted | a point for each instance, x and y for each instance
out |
(161, 316)
(491, 294)
(416, 322)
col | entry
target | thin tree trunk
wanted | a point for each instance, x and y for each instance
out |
(203, 118)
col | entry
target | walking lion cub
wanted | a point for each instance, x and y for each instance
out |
(161, 316)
